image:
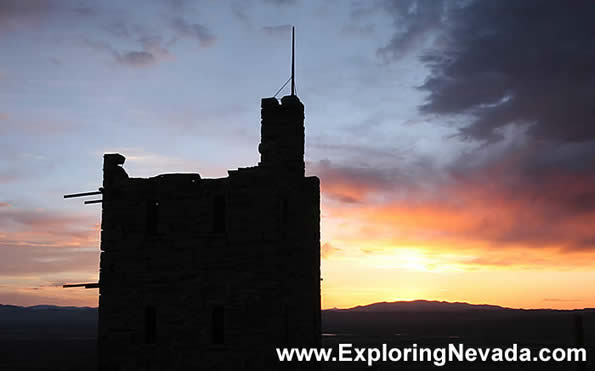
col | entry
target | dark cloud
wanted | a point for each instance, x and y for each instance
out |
(522, 73)
(415, 22)
(195, 31)
(529, 63)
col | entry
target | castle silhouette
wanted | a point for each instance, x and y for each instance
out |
(212, 274)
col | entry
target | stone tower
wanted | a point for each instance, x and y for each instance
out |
(282, 135)
(212, 274)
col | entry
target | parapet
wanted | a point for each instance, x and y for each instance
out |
(288, 101)
(291, 100)
(113, 173)
(269, 102)
(113, 159)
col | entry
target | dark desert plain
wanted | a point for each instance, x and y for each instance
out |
(64, 338)
(453, 143)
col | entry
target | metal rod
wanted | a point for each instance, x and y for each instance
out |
(93, 202)
(92, 285)
(82, 194)
(292, 60)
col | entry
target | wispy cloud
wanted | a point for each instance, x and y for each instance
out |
(196, 31)
(42, 242)
(152, 52)
(327, 250)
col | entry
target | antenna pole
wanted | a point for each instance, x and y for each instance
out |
(292, 60)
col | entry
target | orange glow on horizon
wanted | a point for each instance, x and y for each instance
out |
(451, 248)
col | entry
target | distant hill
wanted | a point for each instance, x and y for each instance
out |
(421, 306)
(9, 312)
(435, 322)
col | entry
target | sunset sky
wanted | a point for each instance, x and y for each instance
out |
(454, 140)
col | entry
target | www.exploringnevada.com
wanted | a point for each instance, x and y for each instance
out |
(438, 356)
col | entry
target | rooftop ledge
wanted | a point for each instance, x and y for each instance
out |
(286, 100)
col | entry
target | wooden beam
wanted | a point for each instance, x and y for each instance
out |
(82, 194)
(92, 285)
(93, 202)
